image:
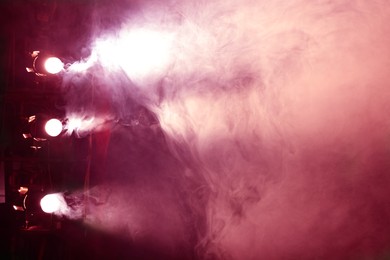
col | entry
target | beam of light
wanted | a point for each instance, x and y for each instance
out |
(53, 127)
(78, 124)
(138, 52)
(81, 126)
(279, 110)
(53, 65)
(52, 203)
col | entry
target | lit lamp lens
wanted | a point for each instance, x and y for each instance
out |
(51, 203)
(53, 65)
(53, 127)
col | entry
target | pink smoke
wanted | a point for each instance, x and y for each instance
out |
(279, 110)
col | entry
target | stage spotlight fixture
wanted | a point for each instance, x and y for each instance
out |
(44, 64)
(34, 203)
(42, 127)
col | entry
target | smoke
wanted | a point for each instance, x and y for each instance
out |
(276, 112)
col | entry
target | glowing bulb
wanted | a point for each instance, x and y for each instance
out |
(53, 127)
(53, 65)
(52, 203)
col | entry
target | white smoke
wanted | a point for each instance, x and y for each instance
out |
(278, 107)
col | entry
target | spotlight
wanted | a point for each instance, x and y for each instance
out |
(53, 127)
(53, 65)
(41, 127)
(44, 64)
(52, 203)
